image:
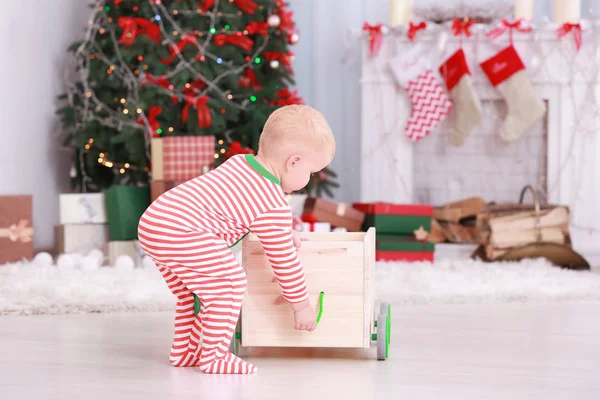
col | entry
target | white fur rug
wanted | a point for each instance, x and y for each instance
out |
(31, 288)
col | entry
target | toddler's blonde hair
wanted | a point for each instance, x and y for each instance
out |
(297, 128)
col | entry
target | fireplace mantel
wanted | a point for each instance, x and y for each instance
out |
(560, 78)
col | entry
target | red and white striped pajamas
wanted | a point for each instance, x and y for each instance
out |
(188, 232)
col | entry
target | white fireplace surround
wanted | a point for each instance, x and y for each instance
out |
(573, 167)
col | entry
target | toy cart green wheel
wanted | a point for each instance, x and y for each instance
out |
(386, 309)
(382, 337)
(234, 346)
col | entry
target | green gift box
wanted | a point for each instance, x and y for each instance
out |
(403, 248)
(124, 208)
(398, 219)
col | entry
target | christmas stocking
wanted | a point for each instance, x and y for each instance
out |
(506, 71)
(466, 108)
(430, 105)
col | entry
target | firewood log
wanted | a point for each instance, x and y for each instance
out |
(525, 221)
(437, 234)
(454, 212)
(507, 239)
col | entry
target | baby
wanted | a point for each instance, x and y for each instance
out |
(189, 230)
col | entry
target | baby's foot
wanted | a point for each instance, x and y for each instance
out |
(230, 364)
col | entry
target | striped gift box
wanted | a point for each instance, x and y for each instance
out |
(179, 158)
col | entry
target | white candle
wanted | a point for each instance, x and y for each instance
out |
(401, 12)
(524, 9)
(567, 11)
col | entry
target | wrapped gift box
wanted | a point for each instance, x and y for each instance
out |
(16, 228)
(129, 248)
(124, 207)
(179, 158)
(403, 248)
(337, 214)
(396, 219)
(82, 208)
(80, 238)
(157, 188)
(316, 227)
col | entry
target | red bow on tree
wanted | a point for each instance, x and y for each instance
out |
(245, 5)
(153, 113)
(236, 148)
(186, 40)
(237, 39)
(250, 79)
(133, 27)
(284, 58)
(517, 25)
(204, 117)
(258, 28)
(569, 27)
(375, 37)
(193, 88)
(462, 27)
(286, 98)
(287, 20)
(161, 81)
(414, 28)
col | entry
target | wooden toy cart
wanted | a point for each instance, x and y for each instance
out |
(340, 275)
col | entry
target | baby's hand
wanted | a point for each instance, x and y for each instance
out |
(305, 316)
(299, 238)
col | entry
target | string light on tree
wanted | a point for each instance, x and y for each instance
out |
(274, 64)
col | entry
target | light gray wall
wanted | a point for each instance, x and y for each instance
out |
(34, 36)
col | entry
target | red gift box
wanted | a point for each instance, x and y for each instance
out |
(180, 158)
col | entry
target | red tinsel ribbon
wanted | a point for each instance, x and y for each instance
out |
(236, 148)
(311, 220)
(187, 40)
(413, 29)
(240, 40)
(517, 25)
(153, 113)
(284, 58)
(250, 79)
(204, 117)
(375, 37)
(258, 28)
(286, 98)
(161, 81)
(569, 27)
(133, 27)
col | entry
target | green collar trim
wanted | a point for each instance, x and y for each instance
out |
(260, 169)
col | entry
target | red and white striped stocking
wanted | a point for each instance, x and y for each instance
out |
(430, 105)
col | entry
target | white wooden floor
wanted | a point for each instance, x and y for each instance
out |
(508, 352)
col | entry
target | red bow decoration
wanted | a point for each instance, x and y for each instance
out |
(260, 28)
(132, 27)
(311, 220)
(186, 40)
(462, 27)
(246, 5)
(286, 98)
(18, 232)
(236, 148)
(284, 58)
(204, 117)
(153, 113)
(250, 79)
(236, 39)
(575, 28)
(413, 29)
(375, 37)
(506, 25)
(206, 5)
(287, 20)
(193, 89)
(161, 81)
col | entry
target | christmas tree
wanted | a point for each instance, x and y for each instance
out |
(149, 68)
